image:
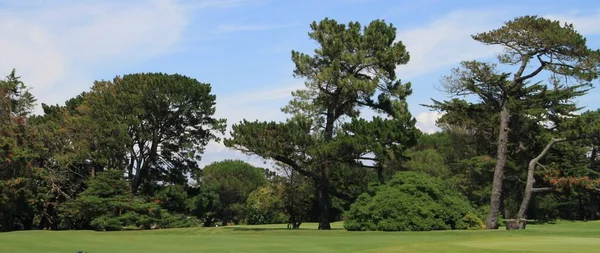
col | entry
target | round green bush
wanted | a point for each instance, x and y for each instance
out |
(411, 201)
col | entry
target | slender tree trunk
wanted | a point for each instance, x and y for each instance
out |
(592, 195)
(593, 157)
(582, 210)
(529, 190)
(492, 219)
(380, 175)
(593, 206)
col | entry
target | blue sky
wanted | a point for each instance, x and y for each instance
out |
(242, 47)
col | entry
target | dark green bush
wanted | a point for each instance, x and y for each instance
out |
(106, 223)
(107, 204)
(169, 220)
(411, 201)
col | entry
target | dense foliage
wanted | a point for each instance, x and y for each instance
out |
(411, 201)
(513, 146)
(226, 186)
(107, 204)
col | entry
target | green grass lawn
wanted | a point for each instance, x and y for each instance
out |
(560, 237)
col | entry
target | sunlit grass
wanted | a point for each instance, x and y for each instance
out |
(561, 237)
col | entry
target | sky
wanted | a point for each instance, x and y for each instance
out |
(242, 48)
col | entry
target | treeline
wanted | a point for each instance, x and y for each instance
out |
(512, 145)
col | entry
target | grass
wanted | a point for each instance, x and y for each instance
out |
(561, 237)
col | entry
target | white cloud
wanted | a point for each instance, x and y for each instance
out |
(249, 28)
(426, 121)
(55, 46)
(585, 24)
(199, 4)
(447, 41)
(265, 95)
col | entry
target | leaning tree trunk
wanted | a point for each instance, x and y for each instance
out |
(529, 190)
(492, 219)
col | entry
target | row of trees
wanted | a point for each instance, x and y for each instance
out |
(125, 153)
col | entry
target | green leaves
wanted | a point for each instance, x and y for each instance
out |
(225, 187)
(348, 68)
(557, 48)
(410, 201)
(157, 124)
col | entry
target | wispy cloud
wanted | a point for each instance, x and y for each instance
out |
(221, 3)
(263, 105)
(260, 96)
(56, 46)
(250, 28)
(447, 41)
(585, 23)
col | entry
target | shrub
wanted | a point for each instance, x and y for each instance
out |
(107, 204)
(265, 206)
(411, 201)
(471, 222)
(106, 223)
(169, 220)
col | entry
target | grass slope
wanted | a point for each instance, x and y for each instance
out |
(561, 237)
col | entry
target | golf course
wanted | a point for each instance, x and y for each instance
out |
(563, 236)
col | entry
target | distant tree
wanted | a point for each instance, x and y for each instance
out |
(529, 42)
(265, 205)
(231, 181)
(298, 196)
(20, 179)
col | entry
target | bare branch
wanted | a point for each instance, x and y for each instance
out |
(543, 189)
(520, 78)
(546, 149)
(295, 166)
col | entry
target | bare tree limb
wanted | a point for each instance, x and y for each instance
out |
(529, 190)
(543, 189)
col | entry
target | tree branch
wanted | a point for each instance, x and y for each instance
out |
(543, 189)
(532, 74)
(368, 158)
(295, 166)
(546, 149)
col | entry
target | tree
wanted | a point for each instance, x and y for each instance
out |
(154, 124)
(232, 181)
(350, 68)
(528, 42)
(584, 127)
(298, 196)
(265, 205)
(62, 159)
(19, 177)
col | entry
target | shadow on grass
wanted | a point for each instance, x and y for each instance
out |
(273, 229)
(540, 222)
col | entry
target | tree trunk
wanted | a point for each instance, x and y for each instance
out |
(492, 219)
(529, 190)
(380, 175)
(593, 206)
(324, 200)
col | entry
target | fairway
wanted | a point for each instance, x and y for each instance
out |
(561, 237)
